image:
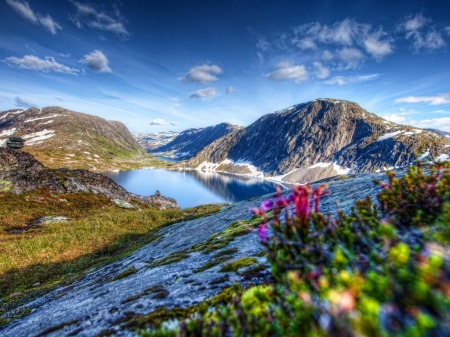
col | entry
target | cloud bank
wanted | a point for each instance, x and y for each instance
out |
(204, 93)
(202, 74)
(158, 121)
(46, 65)
(431, 100)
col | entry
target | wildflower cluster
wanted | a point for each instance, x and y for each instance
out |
(380, 270)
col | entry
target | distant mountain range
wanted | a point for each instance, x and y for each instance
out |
(151, 141)
(319, 139)
(187, 143)
(62, 138)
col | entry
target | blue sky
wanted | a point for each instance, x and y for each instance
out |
(172, 65)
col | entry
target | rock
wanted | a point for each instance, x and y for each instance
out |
(37, 284)
(46, 220)
(123, 204)
(15, 295)
(157, 193)
(15, 143)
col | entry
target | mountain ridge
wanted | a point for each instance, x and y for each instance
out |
(318, 139)
(58, 137)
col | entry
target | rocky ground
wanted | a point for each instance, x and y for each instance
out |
(179, 268)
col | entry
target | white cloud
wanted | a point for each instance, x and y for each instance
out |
(442, 123)
(97, 61)
(94, 17)
(350, 56)
(321, 71)
(46, 65)
(174, 123)
(202, 74)
(24, 103)
(288, 71)
(24, 10)
(64, 55)
(441, 111)
(395, 118)
(204, 93)
(447, 30)
(414, 27)
(48, 23)
(341, 33)
(342, 80)
(327, 55)
(376, 47)
(158, 121)
(431, 100)
(230, 90)
(339, 80)
(305, 43)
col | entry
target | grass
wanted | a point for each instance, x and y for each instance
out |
(99, 233)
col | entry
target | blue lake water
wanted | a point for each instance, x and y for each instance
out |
(192, 188)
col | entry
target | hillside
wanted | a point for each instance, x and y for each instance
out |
(319, 139)
(62, 138)
(188, 143)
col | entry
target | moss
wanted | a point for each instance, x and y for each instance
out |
(222, 239)
(212, 263)
(155, 289)
(171, 258)
(225, 252)
(133, 321)
(5, 185)
(235, 265)
(124, 274)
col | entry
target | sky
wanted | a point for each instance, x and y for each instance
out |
(172, 65)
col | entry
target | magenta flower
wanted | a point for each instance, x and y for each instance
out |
(262, 233)
(266, 205)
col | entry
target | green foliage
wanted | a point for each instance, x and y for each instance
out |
(378, 271)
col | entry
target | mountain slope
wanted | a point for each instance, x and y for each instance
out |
(318, 139)
(188, 143)
(62, 138)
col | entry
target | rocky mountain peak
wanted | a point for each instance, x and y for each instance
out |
(318, 139)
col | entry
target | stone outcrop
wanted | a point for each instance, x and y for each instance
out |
(15, 143)
(21, 172)
(319, 139)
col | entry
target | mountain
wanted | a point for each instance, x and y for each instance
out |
(62, 138)
(188, 143)
(319, 139)
(440, 132)
(151, 141)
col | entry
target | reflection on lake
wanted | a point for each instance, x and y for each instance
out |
(192, 188)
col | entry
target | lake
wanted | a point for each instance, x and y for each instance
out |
(192, 188)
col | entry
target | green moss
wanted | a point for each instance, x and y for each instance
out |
(153, 320)
(5, 185)
(212, 263)
(235, 265)
(225, 252)
(171, 258)
(124, 274)
(152, 290)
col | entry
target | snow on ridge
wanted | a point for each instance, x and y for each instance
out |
(319, 165)
(443, 157)
(8, 132)
(208, 166)
(389, 135)
(36, 119)
(50, 121)
(38, 137)
(5, 115)
(425, 155)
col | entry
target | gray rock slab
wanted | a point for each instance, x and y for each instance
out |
(94, 304)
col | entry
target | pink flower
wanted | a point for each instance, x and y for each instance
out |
(266, 205)
(262, 233)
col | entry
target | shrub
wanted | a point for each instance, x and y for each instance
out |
(378, 271)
